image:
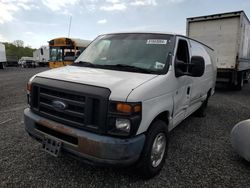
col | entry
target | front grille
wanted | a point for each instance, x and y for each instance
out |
(82, 109)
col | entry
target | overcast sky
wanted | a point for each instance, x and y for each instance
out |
(36, 22)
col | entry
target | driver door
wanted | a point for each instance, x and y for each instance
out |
(184, 83)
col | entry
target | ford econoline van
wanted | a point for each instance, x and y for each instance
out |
(117, 102)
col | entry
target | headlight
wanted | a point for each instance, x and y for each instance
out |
(122, 124)
(124, 118)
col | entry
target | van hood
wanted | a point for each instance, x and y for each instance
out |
(120, 83)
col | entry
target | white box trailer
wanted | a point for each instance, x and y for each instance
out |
(229, 35)
(41, 55)
(2, 56)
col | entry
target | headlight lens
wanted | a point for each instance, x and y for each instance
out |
(124, 118)
(123, 124)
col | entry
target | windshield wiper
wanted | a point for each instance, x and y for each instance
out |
(129, 67)
(83, 63)
(116, 66)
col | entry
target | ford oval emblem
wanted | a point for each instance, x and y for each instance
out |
(58, 105)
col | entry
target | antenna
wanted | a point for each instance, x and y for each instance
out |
(69, 25)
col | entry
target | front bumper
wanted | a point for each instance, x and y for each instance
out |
(90, 147)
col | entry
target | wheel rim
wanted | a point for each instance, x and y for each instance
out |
(158, 149)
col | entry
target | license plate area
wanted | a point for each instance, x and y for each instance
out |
(52, 146)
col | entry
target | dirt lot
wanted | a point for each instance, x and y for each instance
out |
(199, 154)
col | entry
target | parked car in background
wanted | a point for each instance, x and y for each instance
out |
(27, 62)
(117, 102)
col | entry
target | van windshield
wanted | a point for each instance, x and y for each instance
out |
(133, 52)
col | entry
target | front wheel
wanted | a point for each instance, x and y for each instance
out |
(154, 151)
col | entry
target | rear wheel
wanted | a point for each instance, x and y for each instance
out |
(1, 65)
(154, 151)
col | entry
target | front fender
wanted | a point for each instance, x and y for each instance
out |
(152, 108)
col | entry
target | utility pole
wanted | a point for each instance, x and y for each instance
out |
(69, 25)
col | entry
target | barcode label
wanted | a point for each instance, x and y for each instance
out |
(157, 41)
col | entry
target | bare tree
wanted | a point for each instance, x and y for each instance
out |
(18, 43)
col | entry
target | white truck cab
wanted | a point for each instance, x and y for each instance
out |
(2, 56)
(117, 102)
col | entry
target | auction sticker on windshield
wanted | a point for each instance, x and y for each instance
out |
(156, 41)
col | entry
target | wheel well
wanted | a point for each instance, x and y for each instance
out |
(163, 116)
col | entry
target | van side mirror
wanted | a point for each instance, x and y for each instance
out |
(195, 69)
(197, 66)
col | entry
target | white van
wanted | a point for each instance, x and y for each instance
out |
(117, 102)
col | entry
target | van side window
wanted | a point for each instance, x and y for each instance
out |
(182, 51)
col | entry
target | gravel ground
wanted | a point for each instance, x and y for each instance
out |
(199, 154)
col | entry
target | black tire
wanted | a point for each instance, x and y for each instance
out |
(202, 111)
(145, 167)
(1, 65)
(240, 81)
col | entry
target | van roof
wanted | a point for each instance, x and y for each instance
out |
(157, 32)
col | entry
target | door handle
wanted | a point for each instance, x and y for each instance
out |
(188, 90)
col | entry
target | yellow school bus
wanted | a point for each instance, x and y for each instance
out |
(63, 51)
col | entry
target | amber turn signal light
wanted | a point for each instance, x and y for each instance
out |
(137, 108)
(122, 107)
(127, 108)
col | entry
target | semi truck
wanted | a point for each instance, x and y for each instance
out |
(229, 35)
(2, 56)
(41, 56)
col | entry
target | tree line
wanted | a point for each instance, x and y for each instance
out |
(16, 50)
